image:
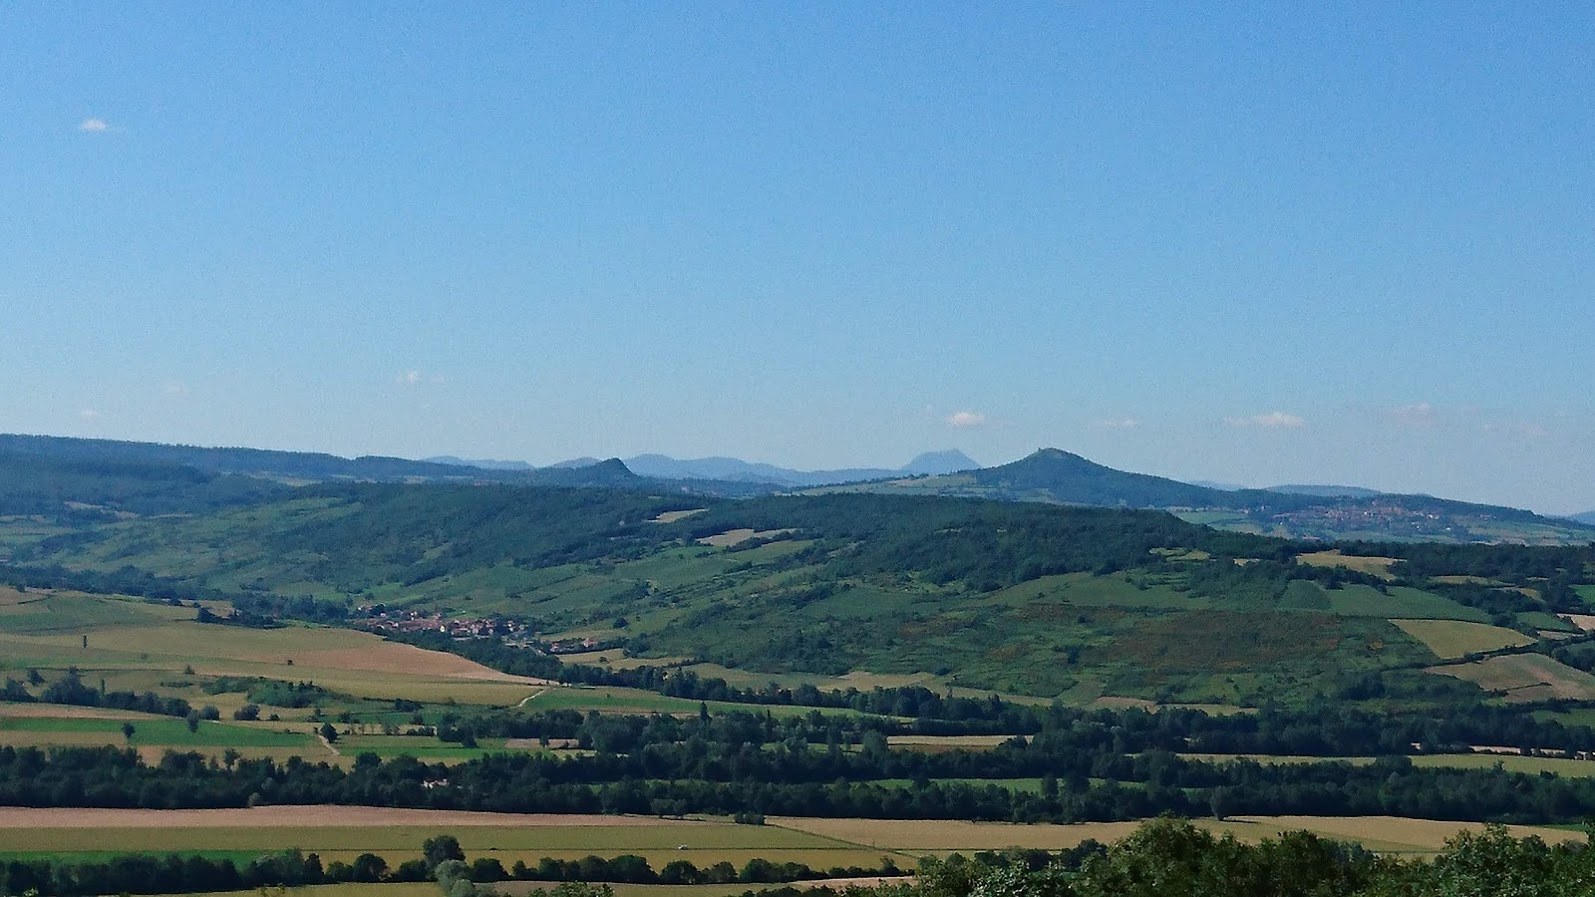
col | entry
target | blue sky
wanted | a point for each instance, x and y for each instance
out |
(1251, 243)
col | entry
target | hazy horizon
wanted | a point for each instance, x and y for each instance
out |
(1347, 244)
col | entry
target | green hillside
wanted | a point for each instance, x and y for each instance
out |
(1026, 598)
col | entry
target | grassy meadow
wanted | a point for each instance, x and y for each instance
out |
(1456, 638)
(1523, 678)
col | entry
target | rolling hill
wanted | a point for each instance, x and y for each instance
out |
(1060, 477)
(303, 466)
(1036, 598)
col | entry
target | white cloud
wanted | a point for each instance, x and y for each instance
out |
(1418, 414)
(94, 126)
(1515, 429)
(408, 378)
(965, 420)
(174, 388)
(88, 414)
(1272, 420)
(1118, 423)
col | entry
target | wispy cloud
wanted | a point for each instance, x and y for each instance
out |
(965, 420)
(1515, 428)
(1115, 423)
(1272, 420)
(94, 126)
(174, 388)
(416, 377)
(88, 414)
(1417, 414)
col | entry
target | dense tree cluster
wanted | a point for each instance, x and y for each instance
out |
(72, 690)
(1096, 765)
(174, 874)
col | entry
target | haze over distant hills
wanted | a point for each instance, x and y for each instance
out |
(737, 470)
(1049, 476)
(301, 466)
(1325, 491)
(1586, 517)
(1327, 512)
(491, 463)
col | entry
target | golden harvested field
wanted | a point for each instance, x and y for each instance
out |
(673, 516)
(67, 711)
(1417, 835)
(927, 836)
(10, 598)
(396, 834)
(1373, 566)
(1387, 834)
(131, 640)
(1450, 639)
(313, 816)
(737, 536)
(1524, 677)
(342, 833)
(1585, 622)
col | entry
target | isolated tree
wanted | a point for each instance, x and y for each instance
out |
(441, 849)
(328, 732)
(369, 867)
(127, 731)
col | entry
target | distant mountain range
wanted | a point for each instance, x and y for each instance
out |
(1327, 512)
(305, 466)
(1326, 491)
(1297, 489)
(737, 470)
(490, 464)
(1048, 475)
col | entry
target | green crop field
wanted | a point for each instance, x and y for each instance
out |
(1582, 769)
(1373, 566)
(1547, 622)
(1399, 601)
(161, 731)
(1086, 590)
(616, 699)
